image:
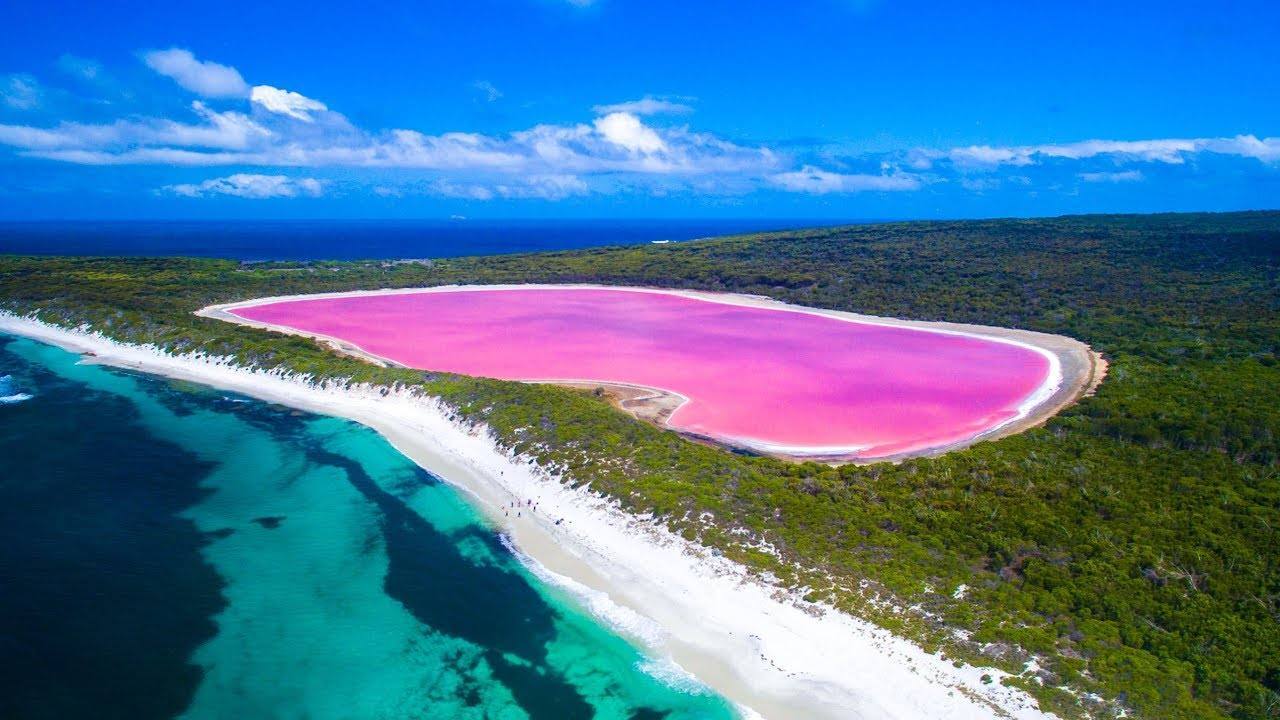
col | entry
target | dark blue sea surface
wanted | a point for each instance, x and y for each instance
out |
(355, 240)
(170, 550)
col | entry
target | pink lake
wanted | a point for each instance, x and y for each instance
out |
(790, 381)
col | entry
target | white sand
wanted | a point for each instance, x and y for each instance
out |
(758, 645)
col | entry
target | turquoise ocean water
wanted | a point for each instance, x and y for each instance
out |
(168, 550)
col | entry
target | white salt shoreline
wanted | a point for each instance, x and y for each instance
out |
(758, 645)
(1072, 366)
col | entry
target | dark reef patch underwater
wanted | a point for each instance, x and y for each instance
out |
(167, 550)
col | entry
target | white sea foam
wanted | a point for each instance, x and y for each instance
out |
(7, 394)
(621, 619)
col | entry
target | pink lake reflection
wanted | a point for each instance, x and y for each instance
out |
(767, 377)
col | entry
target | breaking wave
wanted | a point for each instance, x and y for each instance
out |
(8, 394)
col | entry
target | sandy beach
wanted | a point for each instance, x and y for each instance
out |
(1072, 368)
(695, 613)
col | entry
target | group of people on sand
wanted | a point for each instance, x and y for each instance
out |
(514, 505)
(528, 503)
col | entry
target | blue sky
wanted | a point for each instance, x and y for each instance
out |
(604, 108)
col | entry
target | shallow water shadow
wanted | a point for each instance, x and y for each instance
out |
(493, 608)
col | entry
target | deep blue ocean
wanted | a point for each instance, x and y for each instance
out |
(356, 239)
(169, 550)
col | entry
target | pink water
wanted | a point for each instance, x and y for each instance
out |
(750, 374)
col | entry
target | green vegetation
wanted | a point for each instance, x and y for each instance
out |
(1131, 544)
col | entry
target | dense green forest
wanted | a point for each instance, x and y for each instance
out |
(1131, 544)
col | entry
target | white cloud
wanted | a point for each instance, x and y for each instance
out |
(220, 130)
(487, 90)
(461, 191)
(256, 187)
(541, 187)
(20, 92)
(647, 105)
(625, 148)
(545, 187)
(208, 79)
(1266, 150)
(921, 158)
(146, 156)
(1172, 151)
(984, 155)
(285, 102)
(625, 145)
(1165, 151)
(1111, 177)
(626, 130)
(615, 143)
(288, 129)
(816, 181)
(410, 148)
(979, 185)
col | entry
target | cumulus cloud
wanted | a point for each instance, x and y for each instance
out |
(20, 92)
(647, 105)
(208, 79)
(255, 187)
(816, 181)
(285, 102)
(625, 130)
(1111, 177)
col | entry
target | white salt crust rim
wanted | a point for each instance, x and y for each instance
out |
(1047, 389)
